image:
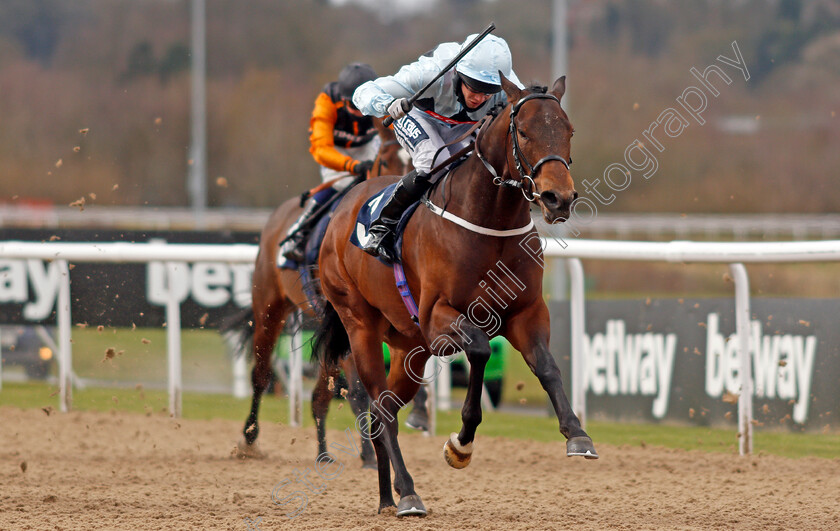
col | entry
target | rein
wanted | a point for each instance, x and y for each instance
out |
(480, 125)
(526, 183)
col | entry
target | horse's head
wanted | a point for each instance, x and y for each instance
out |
(539, 147)
(391, 159)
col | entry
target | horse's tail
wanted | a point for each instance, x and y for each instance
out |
(330, 343)
(240, 327)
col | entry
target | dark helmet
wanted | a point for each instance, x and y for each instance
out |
(352, 76)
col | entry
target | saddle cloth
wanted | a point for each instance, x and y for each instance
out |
(313, 242)
(370, 211)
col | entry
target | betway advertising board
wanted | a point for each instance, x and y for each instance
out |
(677, 360)
(124, 294)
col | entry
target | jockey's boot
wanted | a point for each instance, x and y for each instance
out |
(383, 229)
(293, 248)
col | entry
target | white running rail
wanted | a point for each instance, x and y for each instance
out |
(733, 253)
(174, 255)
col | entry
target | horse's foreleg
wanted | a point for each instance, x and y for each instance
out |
(418, 418)
(528, 333)
(476, 343)
(420, 398)
(478, 353)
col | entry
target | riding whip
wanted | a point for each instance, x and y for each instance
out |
(389, 120)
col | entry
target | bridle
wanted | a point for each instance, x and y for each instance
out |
(526, 182)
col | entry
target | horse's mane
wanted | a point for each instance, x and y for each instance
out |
(538, 89)
(533, 88)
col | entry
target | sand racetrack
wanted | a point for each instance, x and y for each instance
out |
(86, 470)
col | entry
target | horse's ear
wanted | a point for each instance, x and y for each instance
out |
(511, 90)
(559, 87)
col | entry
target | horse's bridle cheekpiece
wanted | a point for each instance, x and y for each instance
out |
(526, 183)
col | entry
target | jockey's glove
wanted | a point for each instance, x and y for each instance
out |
(362, 167)
(398, 108)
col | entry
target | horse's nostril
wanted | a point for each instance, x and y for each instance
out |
(574, 196)
(550, 199)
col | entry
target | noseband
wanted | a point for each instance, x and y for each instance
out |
(526, 183)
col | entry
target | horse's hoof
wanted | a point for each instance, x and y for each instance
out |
(456, 455)
(248, 451)
(581, 446)
(371, 465)
(411, 506)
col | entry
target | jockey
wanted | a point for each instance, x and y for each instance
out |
(342, 140)
(440, 115)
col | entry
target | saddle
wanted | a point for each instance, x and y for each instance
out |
(308, 268)
(319, 221)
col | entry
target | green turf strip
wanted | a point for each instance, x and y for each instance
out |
(539, 428)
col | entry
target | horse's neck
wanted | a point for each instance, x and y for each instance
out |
(470, 194)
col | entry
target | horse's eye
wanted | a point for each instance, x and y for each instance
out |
(523, 136)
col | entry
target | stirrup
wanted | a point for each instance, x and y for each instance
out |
(294, 254)
(386, 254)
(295, 251)
(378, 246)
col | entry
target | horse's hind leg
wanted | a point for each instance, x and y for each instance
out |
(367, 353)
(268, 320)
(359, 403)
(321, 397)
(356, 396)
(383, 465)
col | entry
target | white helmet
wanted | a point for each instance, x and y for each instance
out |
(479, 69)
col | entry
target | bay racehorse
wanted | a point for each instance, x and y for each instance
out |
(276, 293)
(472, 279)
